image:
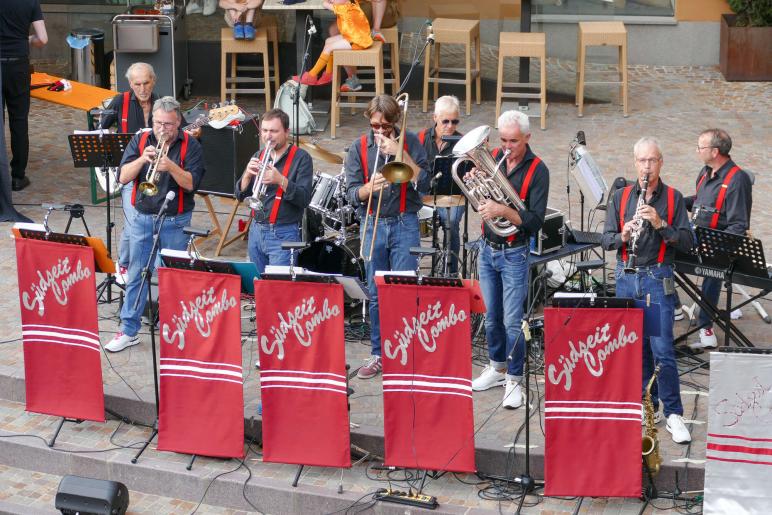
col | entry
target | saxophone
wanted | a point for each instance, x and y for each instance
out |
(637, 228)
(650, 447)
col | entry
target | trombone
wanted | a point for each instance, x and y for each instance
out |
(395, 172)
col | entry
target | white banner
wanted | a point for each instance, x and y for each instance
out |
(738, 472)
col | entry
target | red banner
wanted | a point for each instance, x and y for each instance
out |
(593, 402)
(202, 397)
(302, 373)
(62, 361)
(427, 377)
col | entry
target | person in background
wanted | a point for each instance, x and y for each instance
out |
(240, 14)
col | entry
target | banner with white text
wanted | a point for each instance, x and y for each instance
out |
(202, 395)
(302, 373)
(592, 365)
(427, 377)
(62, 355)
(738, 470)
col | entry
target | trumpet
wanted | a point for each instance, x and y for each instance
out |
(395, 172)
(150, 185)
(259, 189)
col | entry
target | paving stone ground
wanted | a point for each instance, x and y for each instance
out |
(671, 103)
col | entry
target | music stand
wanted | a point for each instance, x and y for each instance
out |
(101, 150)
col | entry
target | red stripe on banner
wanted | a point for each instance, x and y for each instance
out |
(202, 400)
(739, 448)
(62, 358)
(752, 462)
(591, 396)
(427, 372)
(748, 438)
(303, 373)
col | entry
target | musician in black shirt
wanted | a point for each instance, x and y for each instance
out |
(664, 228)
(722, 201)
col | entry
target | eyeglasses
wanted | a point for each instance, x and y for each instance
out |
(165, 125)
(381, 126)
(703, 148)
(454, 121)
(651, 160)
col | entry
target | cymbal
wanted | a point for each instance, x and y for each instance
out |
(443, 200)
(320, 153)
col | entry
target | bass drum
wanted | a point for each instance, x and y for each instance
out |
(330, 256)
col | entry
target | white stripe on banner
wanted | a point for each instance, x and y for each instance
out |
(66, 336)
(60, 328)
(424, 376)
(58, 342)
(189, 376)
(427, 383)
(553, 417)
(595, 410)
(207, 363)
(286, 379)
(300, 372)
(294, 387)
(418, 390)
(631, 404)
(200, 370)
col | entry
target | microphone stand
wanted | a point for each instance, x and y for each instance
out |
(146, 276)
(429, 41)
(296, 98)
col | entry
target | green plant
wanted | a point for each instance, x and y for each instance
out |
(752, 13)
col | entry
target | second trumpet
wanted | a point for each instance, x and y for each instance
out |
(259, 189)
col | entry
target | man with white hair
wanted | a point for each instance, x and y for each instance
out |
(664, 229)
(504, 262)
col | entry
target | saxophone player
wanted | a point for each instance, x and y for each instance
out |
(504, 262)
(662, 226)
(287, 175)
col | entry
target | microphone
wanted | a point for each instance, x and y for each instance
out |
(169, 197)
(311, 26)
(581, 139)
(429, 31)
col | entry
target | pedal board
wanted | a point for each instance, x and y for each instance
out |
(418, 500)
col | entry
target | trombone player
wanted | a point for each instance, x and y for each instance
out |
(387, 238)
(278, 182)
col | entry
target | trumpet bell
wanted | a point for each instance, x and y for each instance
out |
(397, 172)
(148, 188)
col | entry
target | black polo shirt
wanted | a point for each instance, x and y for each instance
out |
(136, 117)
(16, 16)
(391, 192)
(535, 200)
(295, 198)
(677, 235)
(194, 163)
(735, 215)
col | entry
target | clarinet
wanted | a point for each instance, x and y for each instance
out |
(638, 225)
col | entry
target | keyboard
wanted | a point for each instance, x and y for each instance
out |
(586, 236)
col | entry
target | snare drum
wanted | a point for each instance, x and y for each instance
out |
(325, 199)
(330, 256)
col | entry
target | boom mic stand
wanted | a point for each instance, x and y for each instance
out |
(296, 98)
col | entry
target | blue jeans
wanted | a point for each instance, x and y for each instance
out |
(128, 217)
(453, 223)
(711, 291)
(504, 284)
(656, 349)
(264, 245)
(140, 245)
(391, 252)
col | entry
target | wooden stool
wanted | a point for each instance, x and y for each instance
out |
(458, 32)
(601, 33)
(230, 83)
(372, 58)
(391, 35)
(522, 44)
(271, 26)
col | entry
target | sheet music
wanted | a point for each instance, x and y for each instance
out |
(27, 226)
(405, 273)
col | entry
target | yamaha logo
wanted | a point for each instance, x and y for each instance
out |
(708, 272)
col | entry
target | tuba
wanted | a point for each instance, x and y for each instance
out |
(650, 447)
(489, 183)
(150, 185)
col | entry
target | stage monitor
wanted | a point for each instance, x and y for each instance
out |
(588, 175)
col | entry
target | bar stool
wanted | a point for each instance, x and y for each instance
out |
(229, 84)
(270, 23)
(523, 44)
(372, 58)
(601, 33)
(391, 35)
(458, 32)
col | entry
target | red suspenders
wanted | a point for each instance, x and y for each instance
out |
(280, 191)
(422, 136)
(183, 150)
(363, 159)
(125, 113)
(670, 213)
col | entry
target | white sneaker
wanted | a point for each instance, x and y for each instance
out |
(678, 314)
(677, 428)
(736, 314)
(707, 340)
(193, 8)
(210, 6)
(489, 378)
(120, 341)
(513, 395)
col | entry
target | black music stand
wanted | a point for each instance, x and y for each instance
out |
(101, 150)
(729, 253)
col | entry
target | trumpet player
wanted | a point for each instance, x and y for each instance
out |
(278, 179)
(656, 218)
(387, 239)
(179, 162)
(504, 262)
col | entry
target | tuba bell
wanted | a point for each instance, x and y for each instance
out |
(490, 183)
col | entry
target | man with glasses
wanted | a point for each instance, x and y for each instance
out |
(446, 122)
(398, 221)
(505, 262)
(181, 171)
(722, 201)
(664, 229)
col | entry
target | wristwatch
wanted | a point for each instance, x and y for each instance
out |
(662, 225)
